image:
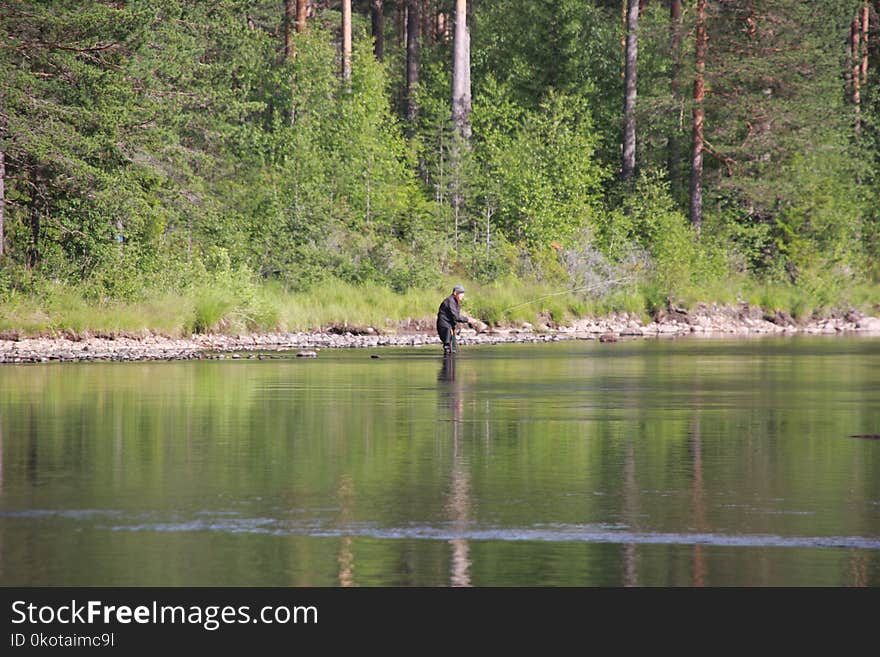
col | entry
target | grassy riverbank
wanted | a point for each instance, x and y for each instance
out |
(229, 308)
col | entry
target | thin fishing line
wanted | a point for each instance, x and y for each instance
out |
(576, 289)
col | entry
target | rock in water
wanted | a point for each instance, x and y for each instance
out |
(478, 326)
(608, 337)
(305, 353)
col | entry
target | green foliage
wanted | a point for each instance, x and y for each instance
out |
(567, 46)
(546, 181)
(648, 218)
(167, 147)
(822, 225)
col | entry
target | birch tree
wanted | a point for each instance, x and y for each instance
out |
(629, 101)
(698, 113)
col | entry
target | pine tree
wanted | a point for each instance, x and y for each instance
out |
(378, 28)
(302, 13)
(674, 157)
(413, 45)
(629, 103)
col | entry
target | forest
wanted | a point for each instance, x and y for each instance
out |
(249, 165)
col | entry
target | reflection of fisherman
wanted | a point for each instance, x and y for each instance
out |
(447, 371)
(448, 315)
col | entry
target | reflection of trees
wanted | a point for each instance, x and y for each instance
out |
(118, 442)
(194, 436)
(630, 510)
(698, 509)
(859, 568)
(459, 502)
(32, 457)
(2, 560)
(458, 507)
(345, 496)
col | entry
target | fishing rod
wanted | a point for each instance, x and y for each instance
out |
(577, 289)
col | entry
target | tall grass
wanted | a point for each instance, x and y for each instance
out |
(267, 307)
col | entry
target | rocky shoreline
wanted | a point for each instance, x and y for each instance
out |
(705, 320)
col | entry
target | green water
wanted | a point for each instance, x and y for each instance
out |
(649, 463)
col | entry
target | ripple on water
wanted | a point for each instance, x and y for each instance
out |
(231, 522)
(598, 533)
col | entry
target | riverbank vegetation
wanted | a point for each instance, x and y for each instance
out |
(234, 307)
(183, 166)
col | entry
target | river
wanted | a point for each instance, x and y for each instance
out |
(674, 462)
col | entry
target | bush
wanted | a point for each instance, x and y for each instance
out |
(546, 181)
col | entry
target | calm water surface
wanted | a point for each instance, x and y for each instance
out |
(648, 463)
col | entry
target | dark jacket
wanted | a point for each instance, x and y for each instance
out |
(449, 313)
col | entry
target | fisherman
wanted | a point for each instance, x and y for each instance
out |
(448, 315)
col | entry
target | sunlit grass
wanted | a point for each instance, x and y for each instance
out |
(268, 307)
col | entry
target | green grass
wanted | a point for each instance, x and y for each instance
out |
(267, 307)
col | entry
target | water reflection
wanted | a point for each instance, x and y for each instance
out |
(32, 459)
(630, 511)
(2, 552)
(447, 370)
(654, 464)
(345, 558)
(697, 499)
(458, 503)
(859, 567)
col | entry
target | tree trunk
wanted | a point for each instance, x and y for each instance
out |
(33, 249)
(2, 198)
(289, 18)
(875, 43)
(402, 8)
(855, 36)
(424, 11)
(378, 28)
(866, 17)
(461, 106)
(461, 74)
(696, 209)
(120, 239)
(294, 16)
(442, 27)
(413, 27)
(629, 101)
(848, 66)
(674, 164)
(302, 12)
(346, 40)
(2, 179)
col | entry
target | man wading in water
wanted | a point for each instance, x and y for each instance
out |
(448, 315)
